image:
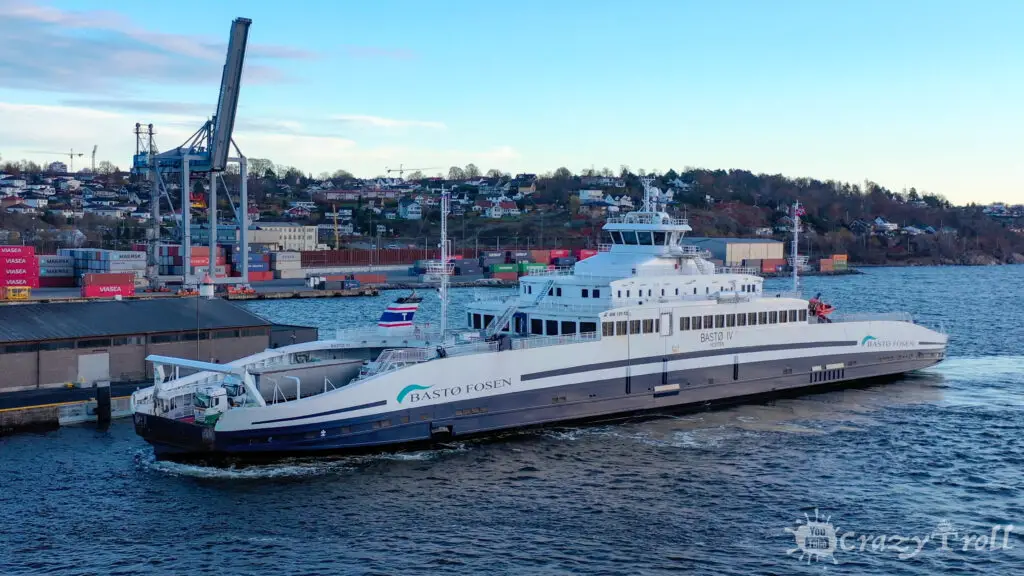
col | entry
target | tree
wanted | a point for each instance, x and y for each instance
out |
(107, 167)
(342, 175)
(456, 173)
(494, 173)
(574, 204)
(415, 175)
(472, 171)
(562, 173)
(323, 176)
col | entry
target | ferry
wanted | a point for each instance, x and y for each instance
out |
(650, 324)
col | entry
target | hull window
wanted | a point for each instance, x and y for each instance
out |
(762, 317)
(584, 293)
(634, 326)
(568, 327)
(792, 315)
(588, 327)
(684, 323)
(720, 321)
(730, 320)
(536, 326)
(741, 319)
(752, 318)
(696, 323)
(773, 317)
(607, 329)
(709, 322)
(648, 326)
(803, 315)
(597, 293)
(621, 328)
(552, 327)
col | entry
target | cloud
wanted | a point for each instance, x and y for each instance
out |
(150, 106)
(27, 127)
(46, 48)
(379, 122)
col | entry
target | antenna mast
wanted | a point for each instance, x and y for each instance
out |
(648, 194)
(798, 211)
(445, 262)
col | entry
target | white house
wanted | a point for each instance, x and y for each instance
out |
(501, 209)
(409, 209)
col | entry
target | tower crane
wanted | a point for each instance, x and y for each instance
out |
(71, 157)
(402, 170)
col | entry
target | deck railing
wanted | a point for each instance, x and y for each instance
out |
(873, 317)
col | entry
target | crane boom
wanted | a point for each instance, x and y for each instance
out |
(227, 103)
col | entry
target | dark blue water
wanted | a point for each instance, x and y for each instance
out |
(939, 454)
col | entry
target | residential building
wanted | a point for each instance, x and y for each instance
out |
(409, 209)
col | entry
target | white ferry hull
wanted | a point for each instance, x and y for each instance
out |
(681, 381)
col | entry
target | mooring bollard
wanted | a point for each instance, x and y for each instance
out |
(103, 404)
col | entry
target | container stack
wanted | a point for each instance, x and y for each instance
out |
(518, 257)
(584, 253)
(506, 272)
(56, 271)
(171, 261)
(825, 265)
(258, 261)
(91, 261)
(369, 278)
(18, 266)
(108, 285)
(540, 256)
(287, 265)
(527, 268)
(468, 270)
(773, 265)
(840, 262)
(487, 259)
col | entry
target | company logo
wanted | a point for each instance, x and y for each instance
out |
(110, 289)
(411, 388)
(872, 342)
(818, 539)
(418, 392)
(11, 250)
(15, 261)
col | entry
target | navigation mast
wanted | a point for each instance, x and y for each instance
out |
(444, 268)
(798, 211)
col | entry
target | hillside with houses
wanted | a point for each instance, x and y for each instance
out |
(874, 225)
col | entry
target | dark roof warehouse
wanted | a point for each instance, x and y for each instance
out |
(57, 321)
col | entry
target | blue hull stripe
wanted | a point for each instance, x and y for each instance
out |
(318, 414)
(682, 356)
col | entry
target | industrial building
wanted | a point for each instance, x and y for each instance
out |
(43, 345)
(734, 251)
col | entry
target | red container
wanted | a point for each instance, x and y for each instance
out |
(57, 282)
(506, 276)
(17, 251)
(261, 276)
(558, 253)
(108, 280)
(541, 256)
(585, 253)
(31, 282)
(18, 261)
(108, 290)
(366, 278)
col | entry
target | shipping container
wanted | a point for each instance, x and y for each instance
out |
(839, 258)
(825, 265)
(563, 261)
(285, 257)
(26, 251)
(295, 274)
(493, 254)
(30, 282)
(505, 276)
(108, 290)
(286, 265)
(56, 281)
(558, 253)
(541, 256)
(502, 268)
(52, 261)
(57, 271)
(369, 278)
(585, 253)
(261, 276)
(107, 279)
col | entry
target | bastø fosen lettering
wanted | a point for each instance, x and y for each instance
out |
(460, 390)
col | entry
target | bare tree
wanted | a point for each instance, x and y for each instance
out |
(472, 171)
(563, 173)
(415, 175)
(107, 167)
(494, 173)
(456, 173)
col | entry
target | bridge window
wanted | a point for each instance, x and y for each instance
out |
(597, 293)
(488, 319)
(792, 315)
(634, 326)
(476, 322)
(659, 238)
(536, 326)
(607, 329)
(620, 327)
(584, 293)
(752, 318)
(684, 323)
(616, 237)
(730, 320)
(629, 238)
(696, 322)
(645, 238)
(568, 327)
(552, 327)
(741, 319)
(558, 291)
(719, 321)
(588, 327)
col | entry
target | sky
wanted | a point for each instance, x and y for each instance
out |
(922, 93)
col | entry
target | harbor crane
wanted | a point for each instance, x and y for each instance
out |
(205, 154)
(402, 170)
(71, 157)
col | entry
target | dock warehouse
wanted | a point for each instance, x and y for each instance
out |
(734, 251)
(52, 344)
